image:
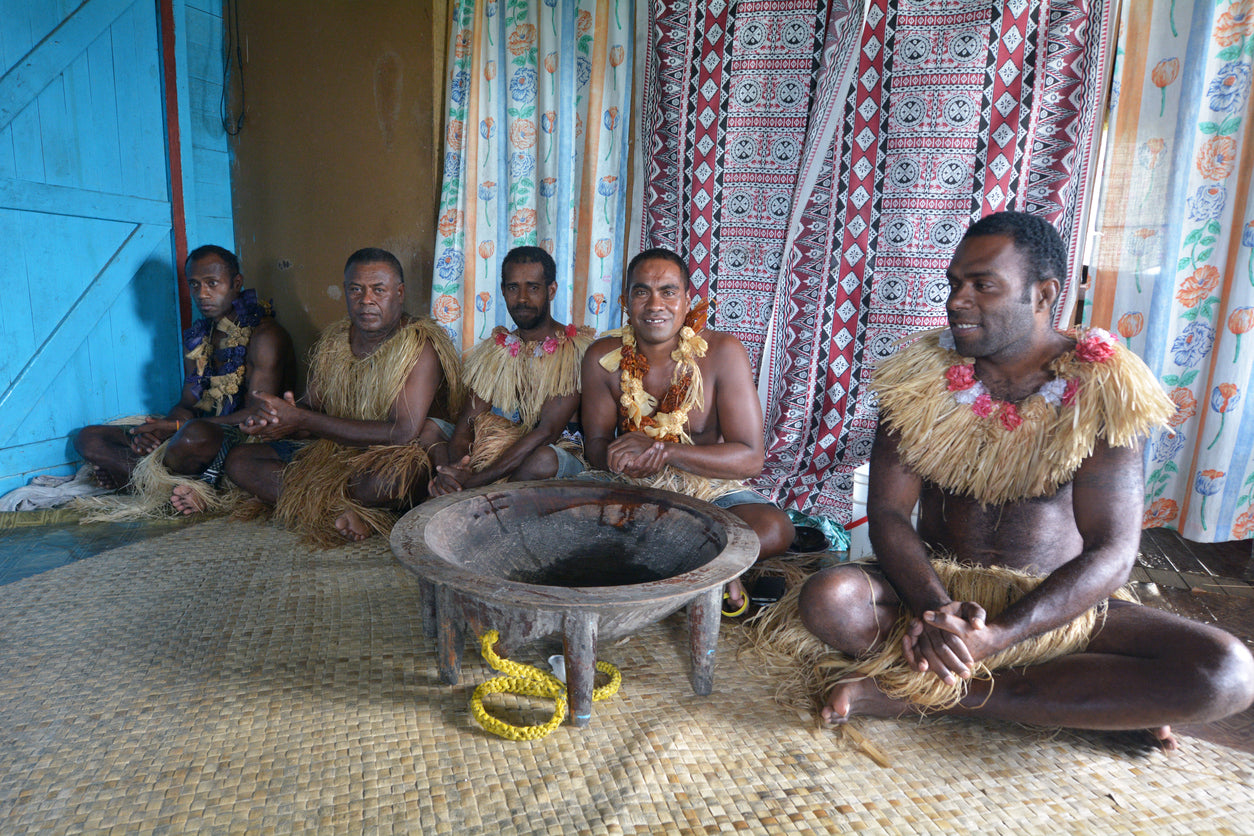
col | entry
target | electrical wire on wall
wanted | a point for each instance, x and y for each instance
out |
(231, 122)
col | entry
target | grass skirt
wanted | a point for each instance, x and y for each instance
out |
(153, 485)
(494, 434)
(316, 486)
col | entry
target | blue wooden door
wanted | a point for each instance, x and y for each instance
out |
(88, 293)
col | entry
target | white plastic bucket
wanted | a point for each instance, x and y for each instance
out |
(859, 536)
(859, 539)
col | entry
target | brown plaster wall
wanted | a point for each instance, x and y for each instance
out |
(339, 148)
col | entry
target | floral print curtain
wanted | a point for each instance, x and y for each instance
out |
(536, 154)
(1173, 275)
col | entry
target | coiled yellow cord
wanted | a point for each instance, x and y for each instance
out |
(530, 681)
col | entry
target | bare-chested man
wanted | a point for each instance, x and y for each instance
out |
(524, 389)
(235, 348)
(695, 422)
(374, 379)
(1076, 527)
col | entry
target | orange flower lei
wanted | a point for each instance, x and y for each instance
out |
(667, 420)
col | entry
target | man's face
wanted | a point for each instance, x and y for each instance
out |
(212, 287)
(375, 296)
(657, 300)
(990, 307)
(527, 294)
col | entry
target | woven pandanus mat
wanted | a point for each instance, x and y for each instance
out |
(224, 678)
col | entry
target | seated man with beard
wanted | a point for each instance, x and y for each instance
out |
(519, 421)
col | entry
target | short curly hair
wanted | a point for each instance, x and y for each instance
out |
(374, 255)
(210, 251)
(531, 255)
(1044, 253)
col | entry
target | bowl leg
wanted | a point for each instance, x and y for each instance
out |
(450, 635)
(427, 602)
(579, 645)
(704, 614)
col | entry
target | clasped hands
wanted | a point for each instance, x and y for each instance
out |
(450, 478)
(950, 640)
(270, 418)
(636, 455)
(148, 436)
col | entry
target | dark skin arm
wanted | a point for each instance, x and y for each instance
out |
(267, 357)
(452, 460)
(555, 414)
(730, 447)
(891, 496)
(598, 405)
(1107, 505)
(283, 417)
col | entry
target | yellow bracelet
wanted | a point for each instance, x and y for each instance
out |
(744, 605)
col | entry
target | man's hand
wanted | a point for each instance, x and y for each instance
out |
(636, 455)
(948, 640)
(273, 418)
(149, 435)
(450, 478)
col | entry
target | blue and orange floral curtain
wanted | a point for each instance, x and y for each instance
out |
(539, 96)
(1173, 274)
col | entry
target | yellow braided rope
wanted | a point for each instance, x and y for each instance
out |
(530, 681)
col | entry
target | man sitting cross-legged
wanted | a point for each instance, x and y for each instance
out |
(669, 404)
(374, 379)
(1023, 447)
(524, 389)
(236, 347)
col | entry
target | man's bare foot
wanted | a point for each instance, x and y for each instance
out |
(1164, 738)
(186, 501)
(861, 696)
(735, 598)
(105, 479)
(352, 527)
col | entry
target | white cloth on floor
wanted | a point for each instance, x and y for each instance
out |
(52, 491)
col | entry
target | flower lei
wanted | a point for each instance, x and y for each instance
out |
(218, 373)
(665, 419)
(1097, 346)
(536, 348)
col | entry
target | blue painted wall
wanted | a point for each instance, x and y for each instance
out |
(89, 319)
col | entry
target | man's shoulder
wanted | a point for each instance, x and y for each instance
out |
(723, 347)
(603, 345)
(722, 340)
(268, 328)
(338, 327)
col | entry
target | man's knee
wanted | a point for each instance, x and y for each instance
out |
(780, 533)
(92, 440)
(775, 531)
(1225, 677)
(193, 448)
(541, 464)
(837, 605)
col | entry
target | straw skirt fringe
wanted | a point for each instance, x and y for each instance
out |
(154, 484)
(316, 486)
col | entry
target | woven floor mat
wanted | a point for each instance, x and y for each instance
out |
(222, 677)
